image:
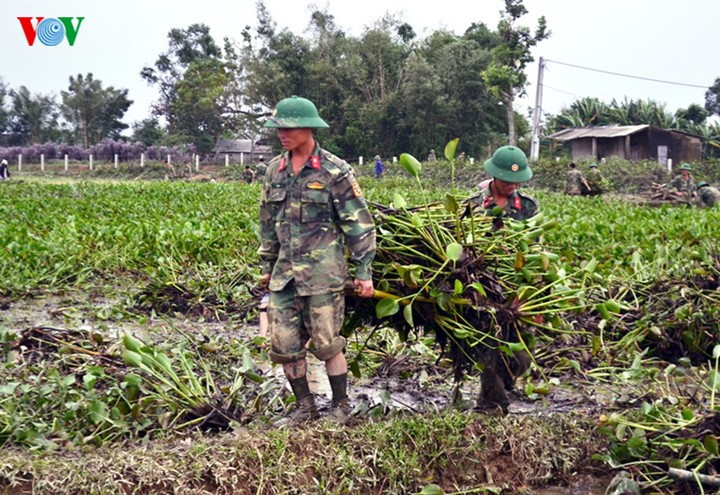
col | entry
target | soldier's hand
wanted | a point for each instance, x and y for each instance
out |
(264, 281)
(364, 288)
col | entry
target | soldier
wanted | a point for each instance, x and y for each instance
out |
(508, 167)
(684, 183)
(261, 168)
(431, 156)
(248, 174)
(595, 181)
(707, 195)
(575, 183)
(311, 212)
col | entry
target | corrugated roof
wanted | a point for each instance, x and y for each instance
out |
(597, 132)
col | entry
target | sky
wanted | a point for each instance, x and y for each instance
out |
(667, 40)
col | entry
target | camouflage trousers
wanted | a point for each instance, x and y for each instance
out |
(294, 320)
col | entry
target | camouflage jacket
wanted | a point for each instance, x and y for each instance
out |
(709, 196)
(573, 183)
(682, 185)
(308, 221)
(519, 206)
(595, 180)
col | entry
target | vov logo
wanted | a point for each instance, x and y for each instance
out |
(50, 30)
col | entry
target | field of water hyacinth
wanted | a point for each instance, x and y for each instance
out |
(128, 325)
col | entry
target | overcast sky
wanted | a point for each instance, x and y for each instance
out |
(669, 40)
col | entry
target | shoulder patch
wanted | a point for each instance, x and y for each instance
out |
(356, 188)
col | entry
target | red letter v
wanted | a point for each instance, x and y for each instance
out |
(28, 29)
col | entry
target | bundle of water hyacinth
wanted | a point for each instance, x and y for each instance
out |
(475, 281)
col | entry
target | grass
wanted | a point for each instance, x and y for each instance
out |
(458, 452)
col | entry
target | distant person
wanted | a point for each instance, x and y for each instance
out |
(378, 167)
(596, 181)
(248, 174)
(575, 183)
(261, 168)
(4, 171)
(431, 157)
(683, 183)
(707, 195)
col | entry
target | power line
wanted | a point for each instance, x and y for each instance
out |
(629, 75)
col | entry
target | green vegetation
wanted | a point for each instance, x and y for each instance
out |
(73, 396)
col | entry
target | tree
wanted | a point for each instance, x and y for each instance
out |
(94, 112)
(185, 47)
(506, 74)
(712, 98)
(4, 114)
(197, 110)
(148, 131)
(32, 118)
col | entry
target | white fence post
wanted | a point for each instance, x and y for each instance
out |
(394, 159)
(197, 163)
(227, 160)
(360, 160)
(20, 162)
(116, 160)
(242, 158)
(90, 161)
(168, 159)
(142, 160)
(66, 163)
(42, 162)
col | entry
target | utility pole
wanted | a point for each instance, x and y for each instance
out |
(535, 140)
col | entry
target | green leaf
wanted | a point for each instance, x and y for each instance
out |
(458, 289)
(386, 307)
(399, 201)
(454, 251)
(711, 444)
(132, 358)
(479, 287)
(431, 490)
(98, 411)
(451, 203)
(450, 149)
(410, 164)
(131, 343)
(408, 314)
(716, 352)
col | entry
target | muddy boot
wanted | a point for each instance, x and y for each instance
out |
(340, 411)
(305, 408)
(341, 407)
(493, 397)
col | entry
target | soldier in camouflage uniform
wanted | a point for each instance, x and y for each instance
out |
(575, 183)
(508, 167)
(595, 181)
(684, 183)
(311, 211)
(707, 195)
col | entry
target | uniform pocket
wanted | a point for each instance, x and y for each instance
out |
(315, 207)
(276, 201)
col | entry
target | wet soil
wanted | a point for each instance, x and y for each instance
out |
(408, 384)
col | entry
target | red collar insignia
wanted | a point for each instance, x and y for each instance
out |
(315, 162)
(283, 164)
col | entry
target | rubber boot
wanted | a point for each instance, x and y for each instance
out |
(341, 407)
(305, 408)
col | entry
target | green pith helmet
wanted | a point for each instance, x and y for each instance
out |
(702, 183)
(509, 164)
(593, 165)
(685, 166)
(295, 113)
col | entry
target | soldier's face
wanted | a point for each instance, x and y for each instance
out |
(292, 139)
(505, 188)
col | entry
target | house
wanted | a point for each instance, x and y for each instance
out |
(243, 150)
(631, 142)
